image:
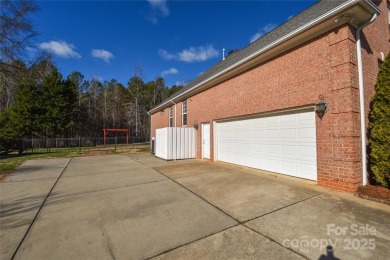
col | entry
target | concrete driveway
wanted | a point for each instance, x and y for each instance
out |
(140, 207)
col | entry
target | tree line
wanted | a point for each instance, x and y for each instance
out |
(37, 101)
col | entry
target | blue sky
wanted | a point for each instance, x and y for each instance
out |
(175, 39)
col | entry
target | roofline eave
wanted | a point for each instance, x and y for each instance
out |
(369, 6)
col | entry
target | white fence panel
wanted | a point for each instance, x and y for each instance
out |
(175, 143)
(161, 143)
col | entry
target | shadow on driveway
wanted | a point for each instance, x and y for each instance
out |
(138, 206)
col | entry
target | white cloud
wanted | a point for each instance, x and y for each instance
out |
(192, 54)
(166, 55)
(266, 29)
(102, 54)
(181, 83)
(201, 53)
(159, 9)
(255, 36)
(97, 77)
(170, 71)
(160, 5)
(60, 48)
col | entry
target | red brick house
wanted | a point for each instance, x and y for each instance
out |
(257, 108)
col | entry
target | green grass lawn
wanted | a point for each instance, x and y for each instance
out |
(13, 160)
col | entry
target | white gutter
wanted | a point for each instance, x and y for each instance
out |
(270, 46)
(361, 98)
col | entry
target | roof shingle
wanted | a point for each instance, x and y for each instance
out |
(318, 9)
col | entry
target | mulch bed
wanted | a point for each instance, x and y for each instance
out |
(375, 193)
(96, 153)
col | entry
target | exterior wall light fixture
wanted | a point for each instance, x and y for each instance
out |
(196, 125)
(321, 107)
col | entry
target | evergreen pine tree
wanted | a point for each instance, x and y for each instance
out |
(379, 127)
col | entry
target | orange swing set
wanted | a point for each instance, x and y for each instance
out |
(106, 131)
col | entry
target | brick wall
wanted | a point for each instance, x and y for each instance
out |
(375, 39)
(325, 65)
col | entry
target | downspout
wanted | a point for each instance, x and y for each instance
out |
(361, 98)
(174, 159)
(151, 129)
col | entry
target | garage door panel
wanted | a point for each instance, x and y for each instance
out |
(288, 167)
(305, 117)
(289, 133)
(229, 157)
(227, 134)
(272, 148)
(245, 124)
(289, 150)
(272, 164)
(232, 147)
(246, 134)
(307, 151)
(307, 133)
(305, 169)
(273, 133)
(287, 120)
(254, 148)
(271, 119)
(283, 143)
(258, 123)
(258, 149)
(259, 134)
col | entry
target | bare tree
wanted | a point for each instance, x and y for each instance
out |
(135, 86)
(129, 114)
(117, 97)
(9, 78)
(16, 32)
(105, 91)
(14, 73)
(16, 29)
(115, 102)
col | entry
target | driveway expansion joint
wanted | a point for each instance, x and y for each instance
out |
(197, 195)
(276, 242)
(113, 188)
(90, 174)
(273, 211)
(202, 173)
(191, 242)
(243, 223)
(81, 175)
(39, 210)
(259, 228)
(135, 160)
(39, 179)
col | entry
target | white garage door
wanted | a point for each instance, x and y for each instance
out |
(282, 143)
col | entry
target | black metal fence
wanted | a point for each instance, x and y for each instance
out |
(38, 145)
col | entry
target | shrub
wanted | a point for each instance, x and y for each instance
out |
(379, 127)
